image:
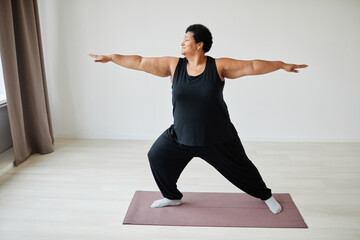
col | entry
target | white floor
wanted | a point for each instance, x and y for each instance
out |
(83, 190)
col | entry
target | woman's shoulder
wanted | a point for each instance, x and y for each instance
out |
(219, 64)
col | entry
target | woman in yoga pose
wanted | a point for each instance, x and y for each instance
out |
(202, 126)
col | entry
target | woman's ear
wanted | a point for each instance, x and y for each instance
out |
(200, 46)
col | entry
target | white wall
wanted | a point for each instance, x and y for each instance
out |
(94, 100)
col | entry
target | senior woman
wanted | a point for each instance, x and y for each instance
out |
(202, 126)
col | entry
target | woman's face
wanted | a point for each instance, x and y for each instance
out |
(188, 45)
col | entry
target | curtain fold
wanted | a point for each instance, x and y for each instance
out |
(25, 80)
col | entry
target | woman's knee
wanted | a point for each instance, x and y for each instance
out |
(155, 156)
(152, 153)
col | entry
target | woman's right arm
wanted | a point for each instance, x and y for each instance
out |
(159, 66)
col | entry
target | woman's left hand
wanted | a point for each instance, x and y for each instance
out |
(293, 67)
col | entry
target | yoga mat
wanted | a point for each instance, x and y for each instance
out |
(214, 210)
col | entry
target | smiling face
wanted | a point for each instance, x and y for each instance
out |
(189, 46)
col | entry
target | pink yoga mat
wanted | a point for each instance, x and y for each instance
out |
(214, 210)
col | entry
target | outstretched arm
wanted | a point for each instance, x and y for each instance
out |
(159, 66)
(232, 68)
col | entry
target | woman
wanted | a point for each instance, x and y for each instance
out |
(202, 126)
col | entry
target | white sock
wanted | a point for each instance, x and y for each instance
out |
(165, 202)
(273, 205)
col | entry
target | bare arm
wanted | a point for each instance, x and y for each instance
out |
(159, 66)
(232, 68)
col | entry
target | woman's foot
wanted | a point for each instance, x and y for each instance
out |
(273, 205)
(165, 202)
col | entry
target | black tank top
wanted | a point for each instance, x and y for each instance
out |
(201, 117)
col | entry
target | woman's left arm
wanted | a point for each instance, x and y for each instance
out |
(232, 68)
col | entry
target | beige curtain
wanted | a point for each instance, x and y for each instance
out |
(25, 82)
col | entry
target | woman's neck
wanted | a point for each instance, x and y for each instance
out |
(196, 60)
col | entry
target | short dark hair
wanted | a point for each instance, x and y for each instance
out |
(201, 34)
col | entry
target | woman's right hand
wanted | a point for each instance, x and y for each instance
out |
(101, 58)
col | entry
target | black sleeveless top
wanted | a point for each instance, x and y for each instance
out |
(201, 117)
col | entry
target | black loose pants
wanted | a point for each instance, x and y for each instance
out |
(168, 159)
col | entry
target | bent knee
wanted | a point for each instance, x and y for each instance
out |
(150, 154)
(153, 154)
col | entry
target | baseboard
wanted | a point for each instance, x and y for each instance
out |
(243, 138)
(6, 160)
(299, 140)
